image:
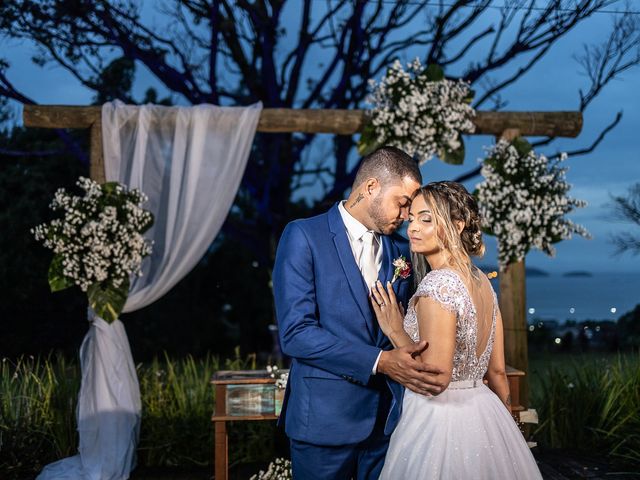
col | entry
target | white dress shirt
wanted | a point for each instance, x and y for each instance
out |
(355, 231)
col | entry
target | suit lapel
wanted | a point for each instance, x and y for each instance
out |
(389, 252)
(352, 272)
(387, 258)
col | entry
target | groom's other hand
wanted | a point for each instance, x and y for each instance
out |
(401, 365)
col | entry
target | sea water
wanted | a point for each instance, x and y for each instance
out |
(602, 296)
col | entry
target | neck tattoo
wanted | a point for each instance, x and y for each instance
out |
(357, 200)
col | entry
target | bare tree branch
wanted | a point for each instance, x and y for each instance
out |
(597, 141)
(8, 90)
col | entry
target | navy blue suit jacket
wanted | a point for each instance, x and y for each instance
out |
(328, 327)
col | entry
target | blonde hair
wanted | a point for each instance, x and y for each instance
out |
(451, 203)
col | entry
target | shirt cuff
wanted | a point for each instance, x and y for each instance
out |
(374, 370)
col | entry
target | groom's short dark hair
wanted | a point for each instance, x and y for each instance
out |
(388, 165)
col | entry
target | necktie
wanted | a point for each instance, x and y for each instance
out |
(367, 263)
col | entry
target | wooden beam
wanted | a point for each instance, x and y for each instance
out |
(60, 116)
(341, 122)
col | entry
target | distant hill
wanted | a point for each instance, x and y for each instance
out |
(536, 272)
(578, 273)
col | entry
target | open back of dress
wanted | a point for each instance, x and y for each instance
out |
(475, 305)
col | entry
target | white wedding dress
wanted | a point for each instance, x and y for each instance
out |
(465, 432)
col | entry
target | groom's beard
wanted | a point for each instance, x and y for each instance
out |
(382, 224)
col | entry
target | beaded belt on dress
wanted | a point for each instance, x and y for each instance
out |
(460, 384)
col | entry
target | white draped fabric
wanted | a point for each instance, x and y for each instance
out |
(189, 161)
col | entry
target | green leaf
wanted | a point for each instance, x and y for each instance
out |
(453, 157)
(108, 301)
(469, 98)
(522, 146)
(367, 142)
(435, 73)
(57, 280)
(487, 231)
(109, 187)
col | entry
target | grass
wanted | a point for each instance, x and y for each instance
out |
(38, 404)
(589, 403)
(37, 412)
(585, 402)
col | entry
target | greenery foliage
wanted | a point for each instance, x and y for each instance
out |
(590, 405)
(39, 396)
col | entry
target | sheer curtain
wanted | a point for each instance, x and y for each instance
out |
(189, 161)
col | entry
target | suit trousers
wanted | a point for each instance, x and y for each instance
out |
(358, 461)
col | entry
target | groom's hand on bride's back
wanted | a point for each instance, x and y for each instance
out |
(405, 367)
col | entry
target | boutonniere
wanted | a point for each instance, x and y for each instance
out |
(403, 268)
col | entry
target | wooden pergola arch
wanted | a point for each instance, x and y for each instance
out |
(506, 125)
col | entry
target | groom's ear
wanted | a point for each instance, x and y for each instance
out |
(372, 186)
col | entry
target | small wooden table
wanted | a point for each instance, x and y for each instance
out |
(513, 376)
(255, 382)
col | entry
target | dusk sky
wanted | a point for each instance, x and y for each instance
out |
(551, 85)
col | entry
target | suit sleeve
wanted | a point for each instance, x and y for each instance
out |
(301, 335)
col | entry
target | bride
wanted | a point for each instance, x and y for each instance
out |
(467, 430)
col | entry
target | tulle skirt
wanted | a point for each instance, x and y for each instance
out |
(463, 433)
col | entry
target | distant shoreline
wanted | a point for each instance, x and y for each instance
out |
(538, 272)
(578, 273)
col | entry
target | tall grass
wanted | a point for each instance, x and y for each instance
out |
(37, 412)
(38, 403)
(587, 404)
(591, 405)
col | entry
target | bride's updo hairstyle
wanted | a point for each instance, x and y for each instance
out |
(452, 204)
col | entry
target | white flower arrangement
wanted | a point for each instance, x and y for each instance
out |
(282, 379)
(98, 242)
(419, 111)
(279, 469)
(523, 201)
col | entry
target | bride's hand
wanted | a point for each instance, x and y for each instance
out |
(388, 310)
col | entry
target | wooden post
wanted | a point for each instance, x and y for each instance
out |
(513, 302)
(512, 307)
(96, 169)
(221, 440)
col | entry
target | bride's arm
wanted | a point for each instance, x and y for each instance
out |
(399, 338)
(497, 373)
(437, 325)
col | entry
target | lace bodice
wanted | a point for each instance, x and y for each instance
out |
(447, 288)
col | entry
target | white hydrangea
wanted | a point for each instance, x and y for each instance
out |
(523, 201)
(97, 241)
(279, 469)
(420, 116)
(281, 380)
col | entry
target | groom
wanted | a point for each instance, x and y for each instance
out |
(342, 400)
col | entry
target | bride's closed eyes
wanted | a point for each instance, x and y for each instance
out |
(422, 216)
